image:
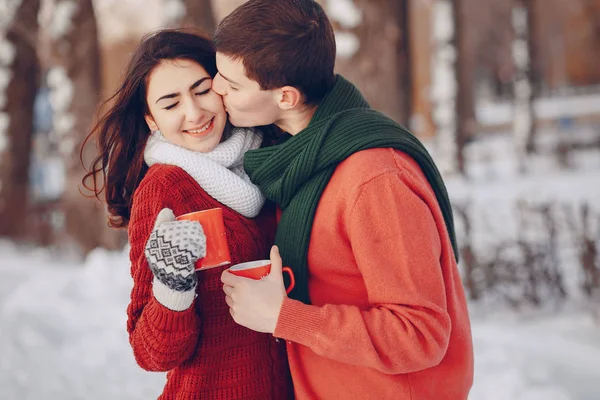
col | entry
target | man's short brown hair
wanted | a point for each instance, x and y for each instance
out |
(282, 43)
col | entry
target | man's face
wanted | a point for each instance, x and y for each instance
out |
(246, 104)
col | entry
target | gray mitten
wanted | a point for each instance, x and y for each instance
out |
(172, 250)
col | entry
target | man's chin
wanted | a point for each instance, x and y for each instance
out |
(239, 124)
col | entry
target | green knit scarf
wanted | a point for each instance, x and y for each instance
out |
(295, 172)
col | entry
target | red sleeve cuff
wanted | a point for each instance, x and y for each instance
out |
(167, 320)
(299, 322)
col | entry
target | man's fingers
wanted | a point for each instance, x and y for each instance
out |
(228, 290)
(230, 279)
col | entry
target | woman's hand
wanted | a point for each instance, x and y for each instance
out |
(172, 251)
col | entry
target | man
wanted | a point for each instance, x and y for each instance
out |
(378, 310)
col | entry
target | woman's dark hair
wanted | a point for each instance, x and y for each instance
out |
(121, 133)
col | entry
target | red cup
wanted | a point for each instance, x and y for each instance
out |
(258, 270)
(217, 250)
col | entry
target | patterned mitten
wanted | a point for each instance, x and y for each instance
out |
(172, 250)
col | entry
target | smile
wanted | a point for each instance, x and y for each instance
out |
(202, 129)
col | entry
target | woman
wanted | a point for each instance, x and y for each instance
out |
(166, 113)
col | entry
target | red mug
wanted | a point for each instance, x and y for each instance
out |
(258, 270)
(217, 250)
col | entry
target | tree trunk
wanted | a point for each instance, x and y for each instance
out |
(444, 85)
(75, 80)
(190, 14)
(379, 65)
(199, 13)
(18, 63)
(465, 77)
(524, 118)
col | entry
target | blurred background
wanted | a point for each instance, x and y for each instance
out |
(504, 93)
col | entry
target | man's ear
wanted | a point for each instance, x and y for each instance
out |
(290, 97)
(150, 121)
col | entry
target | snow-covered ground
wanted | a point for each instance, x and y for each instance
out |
(571, 106)
(62, 336)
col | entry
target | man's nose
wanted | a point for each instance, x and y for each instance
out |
(218, 86)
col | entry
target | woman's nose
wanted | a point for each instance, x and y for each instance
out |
(194, 112)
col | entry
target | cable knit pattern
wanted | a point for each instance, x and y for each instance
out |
(207, 354)
(219, 172)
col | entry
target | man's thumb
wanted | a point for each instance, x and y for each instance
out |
(276, 262)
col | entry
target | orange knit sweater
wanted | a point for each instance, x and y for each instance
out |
(388, 318)
(207, 354)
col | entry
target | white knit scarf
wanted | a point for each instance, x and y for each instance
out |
(219, 172)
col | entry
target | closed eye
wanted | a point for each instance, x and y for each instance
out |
(203, 92)
(171, 106)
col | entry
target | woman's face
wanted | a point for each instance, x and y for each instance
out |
(183, 106)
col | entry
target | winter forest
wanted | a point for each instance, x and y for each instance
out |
(505, 94)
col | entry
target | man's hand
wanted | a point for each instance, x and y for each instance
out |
(255, 304)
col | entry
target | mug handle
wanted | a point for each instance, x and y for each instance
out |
(292, 279)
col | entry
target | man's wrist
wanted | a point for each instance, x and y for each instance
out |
(276, 315)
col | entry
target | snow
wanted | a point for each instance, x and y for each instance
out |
(61, 96)
(4, 122)
(347, 44)
(5, 76)
(539, 357)
(444, 86)
(62, 18)
(348, 16)
(8, 9)
(345, 12)
(523, 109)
(63, 328)
(173, 11)
(118, 19)
(62, 88)
(501, 112)
(7, 52)
(7, 55)
(63, 336)
(443, 23)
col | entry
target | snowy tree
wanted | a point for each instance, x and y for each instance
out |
(18, 83)
(523, 118)
(190, 13)
(200, 14)
(372, 38)
(466, 46)
(444, 85)
(74, 80)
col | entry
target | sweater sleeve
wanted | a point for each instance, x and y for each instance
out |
(161, 338)
(406, 327)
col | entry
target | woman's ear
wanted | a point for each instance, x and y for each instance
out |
(150, 121)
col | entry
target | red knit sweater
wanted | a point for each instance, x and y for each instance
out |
(207, 354)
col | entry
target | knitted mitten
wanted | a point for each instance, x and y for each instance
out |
(172, 250)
